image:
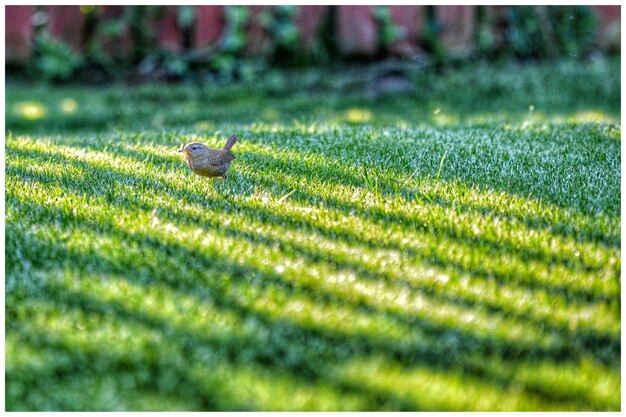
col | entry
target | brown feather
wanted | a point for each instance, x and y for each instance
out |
(209, 162)
(230, 142)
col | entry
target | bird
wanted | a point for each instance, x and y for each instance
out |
(207, 162)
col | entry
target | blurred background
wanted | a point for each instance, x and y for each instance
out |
(100, 44)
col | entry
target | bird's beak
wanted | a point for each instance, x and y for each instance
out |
(181, 150)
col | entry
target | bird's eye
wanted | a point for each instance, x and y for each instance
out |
(193, 148)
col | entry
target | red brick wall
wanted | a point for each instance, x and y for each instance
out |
(18, 33)
(209, 25)
(169, 35)
(115, 46)
(66, 22)
(610, 30)
(356, 28)
(457, 23)
(411, 20)
(309, 20)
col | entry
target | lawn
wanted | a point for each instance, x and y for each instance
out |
(457, 248)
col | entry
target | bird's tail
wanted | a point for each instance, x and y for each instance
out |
(230, 142)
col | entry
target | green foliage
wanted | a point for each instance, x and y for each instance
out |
(175, 65)
(486, 39)
(100, 50)
(284, 43)
(186, 16)
(235, 38)
(280, 45)
(430, 36)
(531, 32)
(140, 21)
(280, 25)
(575, 29)
(55, 60)
(232, 44)
(427, 252)
(540, 31)
(388, 31)
(105, 49)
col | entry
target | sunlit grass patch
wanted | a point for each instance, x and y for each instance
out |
(357, 116)
(30, 110)
(373, 260)
(69, 105)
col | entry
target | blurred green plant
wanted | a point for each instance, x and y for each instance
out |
(55, 60)
(232, 44)
(549, 32)
(185, 19)
(140, 20)
(284, 38)
(98, 49)
(220, 60)
(430, 36)
(388, 31)
(487, 41)
(126, 45)
(234, 38)
(186, 16)
(279, 46)
(575, 28)
(104, 37)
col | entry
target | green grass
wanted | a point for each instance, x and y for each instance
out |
(457, 249)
